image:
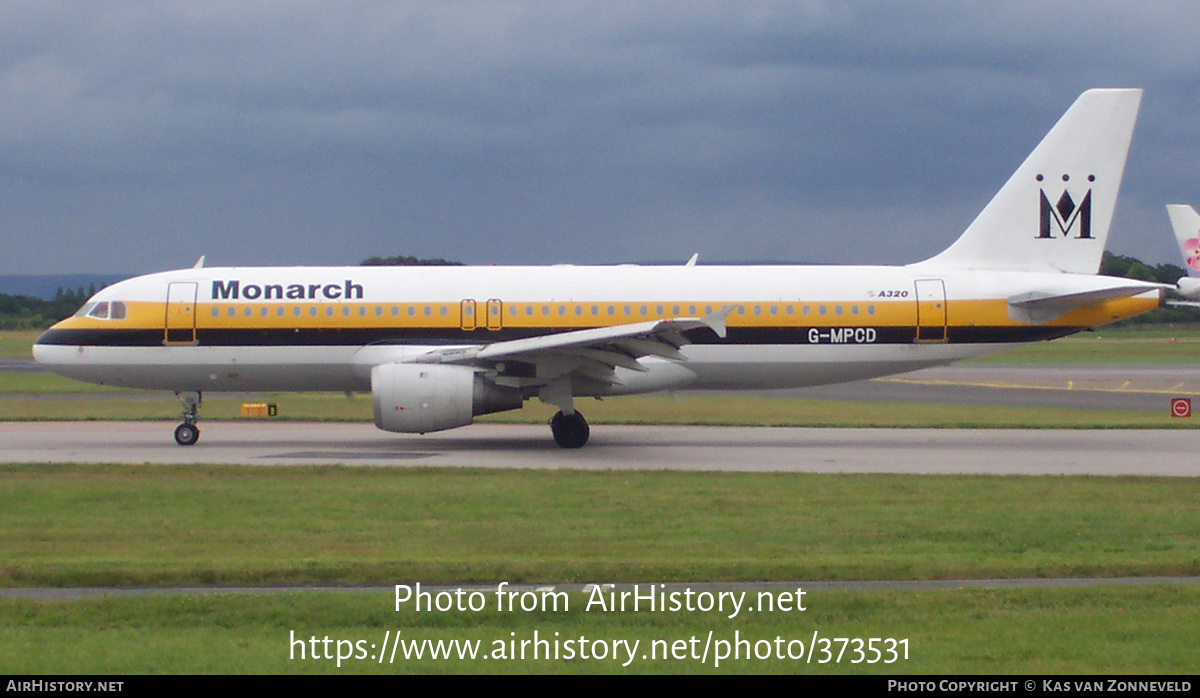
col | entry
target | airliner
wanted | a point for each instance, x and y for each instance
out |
(439, 346)
(1186, 223)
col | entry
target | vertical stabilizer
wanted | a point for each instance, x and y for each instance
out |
(1186, 223)
(1055, 211)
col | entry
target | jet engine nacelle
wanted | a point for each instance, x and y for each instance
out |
(419, 398)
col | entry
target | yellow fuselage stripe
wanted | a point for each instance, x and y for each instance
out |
(544, 315)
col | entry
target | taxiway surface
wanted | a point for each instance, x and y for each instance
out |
(1057, 452)
(974, 451)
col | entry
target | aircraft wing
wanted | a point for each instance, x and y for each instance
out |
(1041, 306)
(592, 353)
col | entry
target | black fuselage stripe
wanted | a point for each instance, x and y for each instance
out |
(305, 337)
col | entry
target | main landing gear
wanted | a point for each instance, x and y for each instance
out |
(570, 430)
(188, 433)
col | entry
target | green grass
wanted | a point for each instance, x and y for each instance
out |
(1149, 345)
(1107, 630)
(39, 383)
(17, 344)
(703, 409)
(71, 525)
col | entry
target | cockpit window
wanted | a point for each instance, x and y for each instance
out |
(103, 310)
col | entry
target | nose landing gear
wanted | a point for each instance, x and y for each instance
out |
(188, 433)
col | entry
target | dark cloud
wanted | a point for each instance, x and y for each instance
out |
(137, 136)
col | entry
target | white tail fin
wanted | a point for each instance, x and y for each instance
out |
(1186, 223)
(1054, 212)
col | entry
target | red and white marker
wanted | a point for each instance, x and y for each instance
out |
(1181, 407)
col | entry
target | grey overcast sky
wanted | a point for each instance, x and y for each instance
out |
(137, 136)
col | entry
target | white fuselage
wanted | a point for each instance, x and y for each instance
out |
(325, 328)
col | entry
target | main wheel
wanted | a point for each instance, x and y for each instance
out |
(186, 434)
(570, 430)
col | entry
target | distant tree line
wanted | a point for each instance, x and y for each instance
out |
(408, 262)
(31, 313)
(1134, 268)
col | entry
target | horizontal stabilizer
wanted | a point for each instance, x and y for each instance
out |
(1041, 306)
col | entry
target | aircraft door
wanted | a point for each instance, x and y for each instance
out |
(180, 325)
(494, 310)
(467, 314)
(931, 310)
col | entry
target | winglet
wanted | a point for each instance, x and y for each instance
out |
(692, 262)
(716, 321)
(199, 263)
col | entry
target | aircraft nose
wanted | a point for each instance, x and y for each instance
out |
(46, 350)
(39, 349)
(55, 356)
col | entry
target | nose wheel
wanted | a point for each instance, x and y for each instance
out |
(188, 433)
(570, 430)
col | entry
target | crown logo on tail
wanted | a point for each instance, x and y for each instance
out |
(1064, 215)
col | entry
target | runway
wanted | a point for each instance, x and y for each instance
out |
(912, 451)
